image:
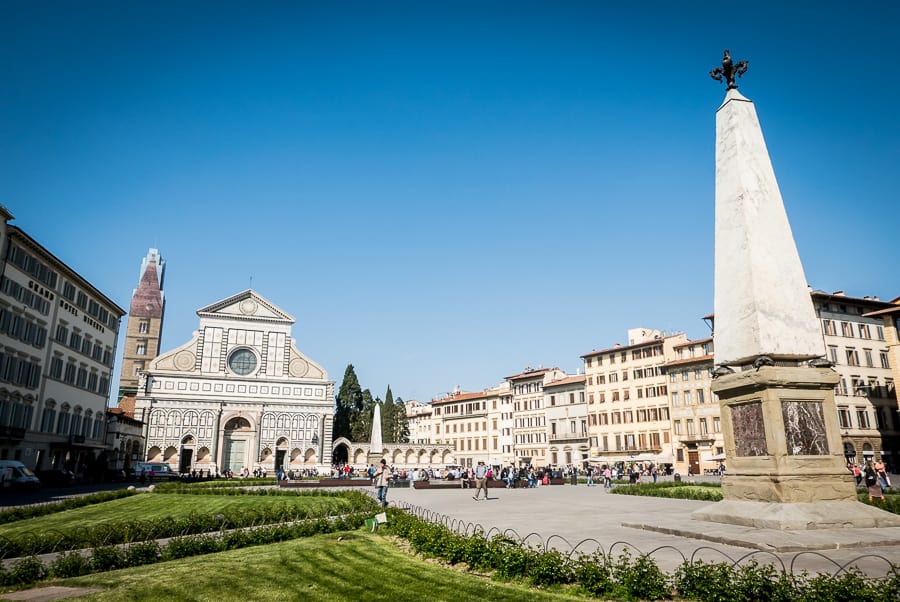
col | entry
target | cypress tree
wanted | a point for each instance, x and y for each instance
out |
(387, 418)
(401, 422)
(361, 420)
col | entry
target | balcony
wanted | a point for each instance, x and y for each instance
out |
(16, 433)
(567, 437)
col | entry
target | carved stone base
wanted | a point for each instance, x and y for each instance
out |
(781, 436)
(797, 516)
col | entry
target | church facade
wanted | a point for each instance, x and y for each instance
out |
(238, 395)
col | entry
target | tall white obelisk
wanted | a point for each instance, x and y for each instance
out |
(376, 445)
(776, 391)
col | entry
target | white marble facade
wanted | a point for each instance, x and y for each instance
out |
(238, 394)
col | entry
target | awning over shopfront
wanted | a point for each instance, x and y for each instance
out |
(716, 458)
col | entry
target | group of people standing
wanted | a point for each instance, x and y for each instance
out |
(873, 475)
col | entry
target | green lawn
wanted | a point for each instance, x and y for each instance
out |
(361, 566)
(158, 505)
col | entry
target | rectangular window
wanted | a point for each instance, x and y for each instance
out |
(717, 425)
(833, 354)
(852, 357)
(862, 417)
(844, 418)
(868, 355)
(703, 427)
(700, 398)
(677, 425)
(689, 425)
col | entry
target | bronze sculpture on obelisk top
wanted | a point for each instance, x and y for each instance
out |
(728, 70)
(776, 394)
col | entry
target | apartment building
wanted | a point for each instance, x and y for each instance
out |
(567, 430)
(57, 344)
(866, 398)
(530, 441)
(418, 417)
(470, 423)
(697, 440)
(627, 397)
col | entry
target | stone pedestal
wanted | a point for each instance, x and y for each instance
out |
(785, 462)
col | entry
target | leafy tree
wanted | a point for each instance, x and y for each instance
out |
(347, 403)
(387, 417)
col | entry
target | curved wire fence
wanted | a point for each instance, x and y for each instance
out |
(877, 564)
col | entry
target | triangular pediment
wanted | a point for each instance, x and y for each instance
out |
(246, 305)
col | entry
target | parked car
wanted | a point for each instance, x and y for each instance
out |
(56, 477)
(15, 476)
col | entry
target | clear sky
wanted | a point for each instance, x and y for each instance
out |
(441, 193)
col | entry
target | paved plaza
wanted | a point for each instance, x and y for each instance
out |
(563, 516)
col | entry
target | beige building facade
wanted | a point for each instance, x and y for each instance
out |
(697, 441)
(469, 422)
(627, 396)
(857, 344)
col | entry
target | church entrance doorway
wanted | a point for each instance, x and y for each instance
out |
(235, 444)
(187, 454)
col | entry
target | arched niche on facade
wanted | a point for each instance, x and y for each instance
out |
(411, 456)
(359, 456)
(203, 455)
(310, 456)
(296, 456)
(265, 456)
(154, 454)
(188, 440)
(171, 455)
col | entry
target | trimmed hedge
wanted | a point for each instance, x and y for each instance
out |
(25, 512)
(709, 492)
(636, 578)
(30, 569)
(150, 529)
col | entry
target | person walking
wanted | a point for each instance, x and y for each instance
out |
(607, 478)
(872, 482)
(382, 477)
(480, 480)
(590, 476)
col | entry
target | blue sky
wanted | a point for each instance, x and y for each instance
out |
(441, 193)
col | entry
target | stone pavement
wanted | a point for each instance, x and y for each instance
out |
(660, 526)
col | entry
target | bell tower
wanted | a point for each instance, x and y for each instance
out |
(144, 330)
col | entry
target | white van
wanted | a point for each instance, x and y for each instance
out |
(159, 470)
(16, 476)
